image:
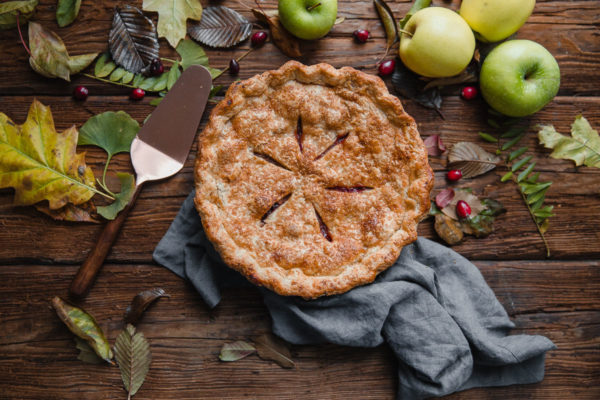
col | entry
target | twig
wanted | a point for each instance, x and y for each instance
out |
(21, 35)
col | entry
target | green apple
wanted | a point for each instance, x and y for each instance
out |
(519, 77)
(308, 19)
(495, 20)
(436, 43)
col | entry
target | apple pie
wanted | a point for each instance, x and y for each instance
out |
(311, 179)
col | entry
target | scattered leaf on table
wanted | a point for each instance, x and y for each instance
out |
(339, 20)
(85, 212)
(191, 54)
(172, 17)
(132, 353)
(444, 198)
(111, 131)
(86, 353)
(448, 229)
(141, 302)
(66, 11)
(270, 347)
(121, 199)
(49, 56)
(84, 326)
(132, 40)
(434, 145)
(471, 159)
(389, 23)
(104, 66)
(408, 84)
(482, 224)
(42, 164)
(236, 351)
(285, 41)
(220, 26)
(173, 74)
(582, 147)
(417, 5)
(9, 10)
(464, 195)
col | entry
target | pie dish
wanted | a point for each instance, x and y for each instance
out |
(311, 179)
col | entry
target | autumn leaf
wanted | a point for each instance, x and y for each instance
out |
(434, 145)
(583, 147)
(141, 302)
(42, 164)
(466, 196)
(49, 56)
(285, 41)
(389, 23)
(121, 199)
(270, 347)
(471, 159)
(132, 353)
(84, 326)
(85, 212)
(221, 27)
(66, 11)
(172, 17)
(86, 353)
(10, 9)
(448, 229)
(236, 351)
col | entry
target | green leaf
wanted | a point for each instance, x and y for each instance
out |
(215, 90)
(121, 199)
(545, 212)
(66, 11)
(79, 63)
(9, 10)
(132, 353)
(516, 166)
(148, 83)
(583, 147)
(389, 23)
(172, 17)
(488, 138)
(161, 82)
(137, 80)
(156, 101)
(512, 142)
(525, 172)
(506, 176)
(493, 123)
(517, 153)
(417, 5)
(84, 326)
(214, 72)
(236, 351)
(174, 74)
(191, 54)
(42, 164)
(128, 77)
(117, 74)
(111, 131)
(513, 132)
(104, 66)
(533, 178)
(533, 188)
(533, 198)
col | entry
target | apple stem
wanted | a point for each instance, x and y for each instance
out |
(21, 35)
(405, 32)
(313, 7)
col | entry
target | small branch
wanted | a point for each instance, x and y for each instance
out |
(533, 218)
(168, 60)
(109, 81)
(240, 58)
(21, 35)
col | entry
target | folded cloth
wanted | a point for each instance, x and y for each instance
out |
(433, 308)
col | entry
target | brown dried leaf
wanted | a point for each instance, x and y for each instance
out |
(471, 159)
(389, 23)
(133, 41)
(448, 229)
(85, 212)
(141, 302)
(220, 26)
(270, 347)
(472, 200)
(444, 198)
(339, 20)
(286, 42)
(236, 351)
(434, 145)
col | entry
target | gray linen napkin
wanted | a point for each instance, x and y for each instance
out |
(433, 308)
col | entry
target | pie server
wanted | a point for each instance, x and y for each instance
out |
(158, 151)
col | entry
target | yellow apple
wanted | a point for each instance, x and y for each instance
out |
(437, 43)
(495, 20)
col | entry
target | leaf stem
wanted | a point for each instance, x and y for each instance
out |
(533, 217)
(113, 82)
(240, 58)
(168, 60)
(21, 35)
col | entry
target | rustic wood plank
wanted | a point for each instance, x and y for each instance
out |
(557, 299)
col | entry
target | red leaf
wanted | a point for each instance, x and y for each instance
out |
(444, 197)
(434, 145)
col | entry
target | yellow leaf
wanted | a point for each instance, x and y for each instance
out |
(42, 164)
(172, 17)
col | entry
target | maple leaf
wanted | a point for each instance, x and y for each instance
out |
(42, 164)
(583, 147)
(172, 17)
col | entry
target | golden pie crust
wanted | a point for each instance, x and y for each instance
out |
(311, 179)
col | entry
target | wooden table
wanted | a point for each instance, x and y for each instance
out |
(558, 297)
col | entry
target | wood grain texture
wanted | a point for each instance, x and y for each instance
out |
(559, 298)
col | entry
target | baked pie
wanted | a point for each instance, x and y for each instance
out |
(311, 179)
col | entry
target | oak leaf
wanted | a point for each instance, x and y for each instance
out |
(172, 17)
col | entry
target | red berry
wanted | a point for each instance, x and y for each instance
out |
(156, 67)
(463, 210)
(258, 38)
(137, 94)
(387, 67)
(234, 66)
(361, 35)
(469, 92)
(80, 93)
(454, 174)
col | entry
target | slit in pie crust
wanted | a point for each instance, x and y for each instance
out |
(311, 179)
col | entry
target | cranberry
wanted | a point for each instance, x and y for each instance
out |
(387, 67)
(234, 67)
(258, 38)
(361, 35)
(156, 67)
(80, 92)
(469, 92)
(137, 94)
(463, 210)
(454, 174)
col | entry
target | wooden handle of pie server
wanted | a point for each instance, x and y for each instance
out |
(89, 269)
